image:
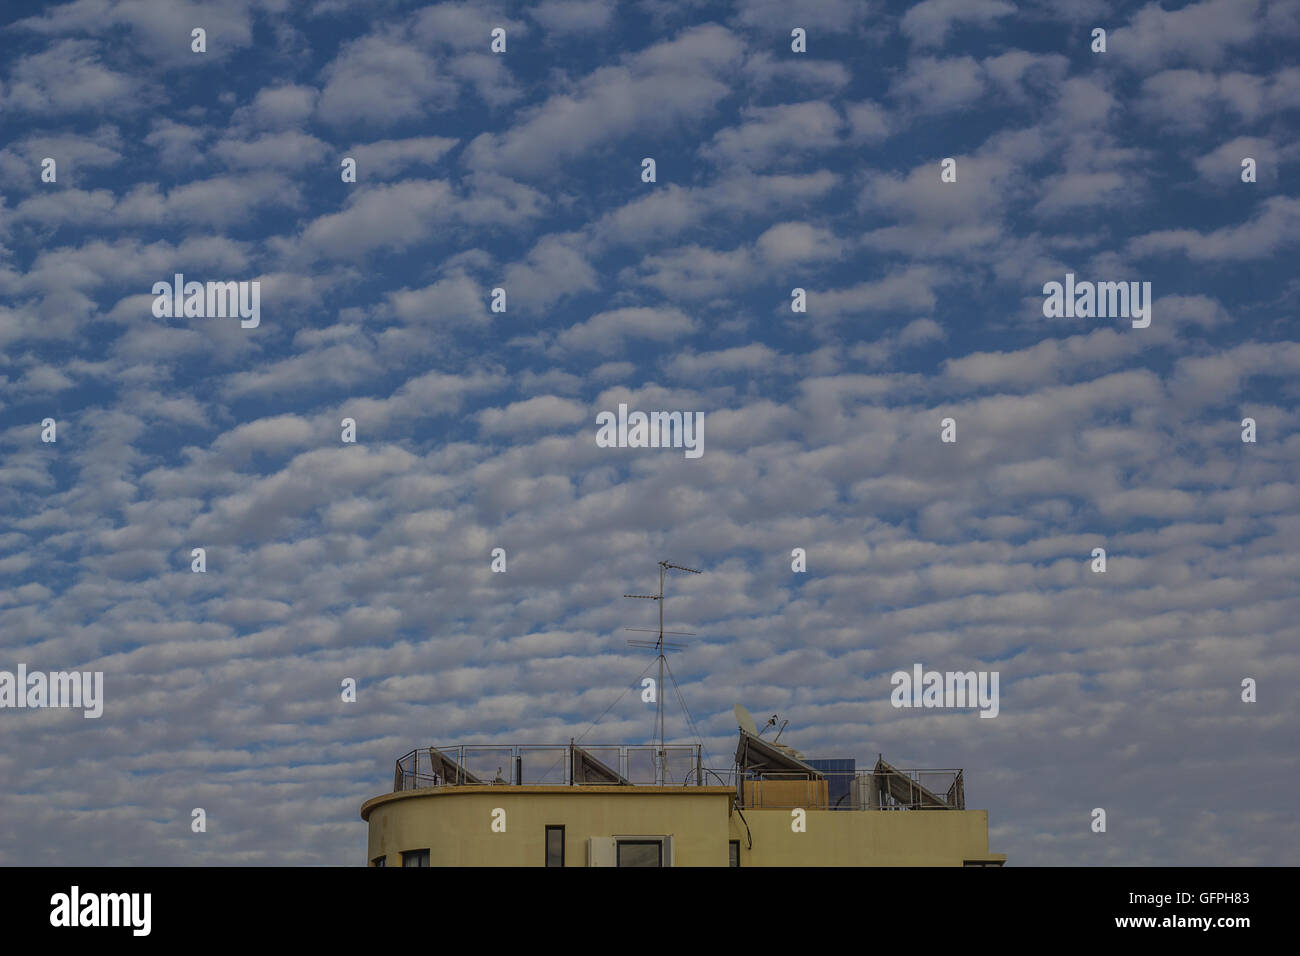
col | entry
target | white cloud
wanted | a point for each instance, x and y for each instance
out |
(929, 23)
(381, 80)
(1200, 33)
(380, 217)
(69, 77)
(791, 242)
(554, 268)
(776, 134)
(673, 81)
(607, 332)
(542, 413)
(1275, 225)
(573, 16)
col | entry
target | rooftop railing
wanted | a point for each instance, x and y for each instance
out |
(681, 765)
(548, 765)
(856, 790)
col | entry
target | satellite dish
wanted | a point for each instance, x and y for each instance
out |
(745, 720)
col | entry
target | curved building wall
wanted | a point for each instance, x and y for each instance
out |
(455, 823)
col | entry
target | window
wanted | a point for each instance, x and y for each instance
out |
(640, 853)
(379, 861)
(733, 851)
(415, 858)
(555, 846)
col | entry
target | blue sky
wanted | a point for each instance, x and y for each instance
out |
(476, 430)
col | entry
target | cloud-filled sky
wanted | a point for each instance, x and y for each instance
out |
(476, 429)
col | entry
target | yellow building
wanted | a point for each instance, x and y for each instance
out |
(658, 806)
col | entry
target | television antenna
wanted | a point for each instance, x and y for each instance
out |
(661, 773)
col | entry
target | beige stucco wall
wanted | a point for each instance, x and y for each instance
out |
(455, 823)
(864, 838)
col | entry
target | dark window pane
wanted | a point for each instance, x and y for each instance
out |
(733, 849)
(555, 846)
(415, 858)
(640, 853)
(380, 861)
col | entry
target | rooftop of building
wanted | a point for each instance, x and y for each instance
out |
(764, 775)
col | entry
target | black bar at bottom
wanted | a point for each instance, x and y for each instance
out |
(376, 906)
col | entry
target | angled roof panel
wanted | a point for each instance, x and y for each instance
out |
(908, 792)
(587, 769)
(448, 771)
(757, 755)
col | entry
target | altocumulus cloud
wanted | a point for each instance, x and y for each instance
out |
(475, 422)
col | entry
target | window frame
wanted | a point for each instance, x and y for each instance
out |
(416, 855)
(563, 845)
(620, 842)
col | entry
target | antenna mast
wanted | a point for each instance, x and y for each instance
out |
(661, 772)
